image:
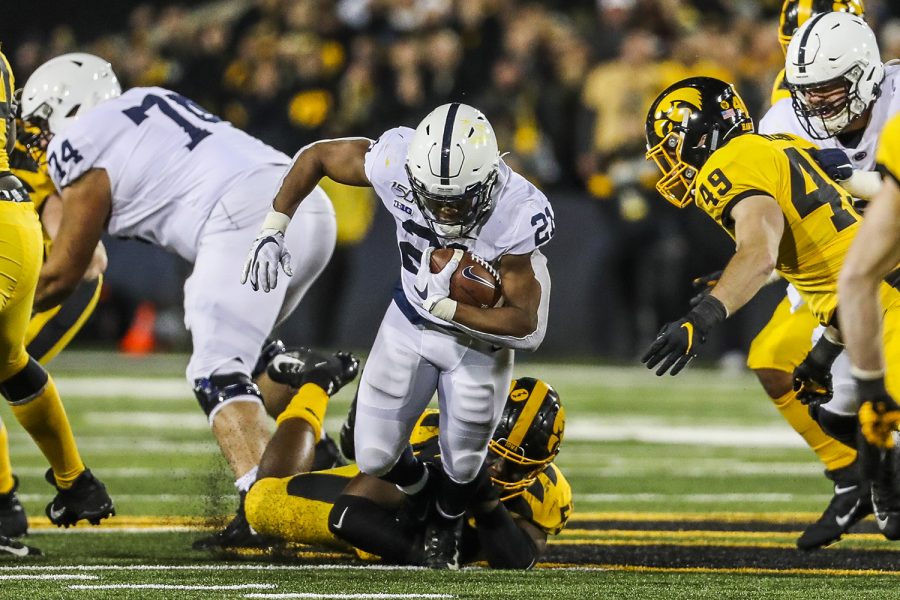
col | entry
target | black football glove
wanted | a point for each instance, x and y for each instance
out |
(812, 377)
(676, 342)
(704, 285)
(834, 162)
(879, 414)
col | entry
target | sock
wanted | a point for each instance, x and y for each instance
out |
(309, 404)
(833, 454)
(407, 472)
(45, 420)
(6, 479)
(246, 480)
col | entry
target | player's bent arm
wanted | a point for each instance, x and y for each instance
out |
(86, 207)
(873, 254)
(342, 160)
(758, 227)
(51, 215)
(508, 542)
(521, 322)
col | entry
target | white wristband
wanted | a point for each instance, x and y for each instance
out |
(276, 220)
(445, 309)
(863, 184)
(866, 375)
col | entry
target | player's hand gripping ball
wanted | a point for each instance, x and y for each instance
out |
(475, 282)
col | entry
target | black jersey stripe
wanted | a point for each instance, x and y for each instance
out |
(445, 143)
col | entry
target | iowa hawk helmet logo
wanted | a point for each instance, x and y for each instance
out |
(675, 109)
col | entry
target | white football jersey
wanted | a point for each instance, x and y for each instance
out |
(521, 221)
(168, 161)
(781, 118)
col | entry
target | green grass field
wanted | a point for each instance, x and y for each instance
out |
(657, 465)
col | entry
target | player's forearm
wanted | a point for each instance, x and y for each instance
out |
(746, 273)
(302, 176)
(504, 321)
(860, 320)
(504, 544)
(54, 287)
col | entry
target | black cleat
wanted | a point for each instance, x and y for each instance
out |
(10, 547)
(13, 522)
(885, 470)
(301, 366)
(850, 504)
(86, 499)
(442, 537)
(270, 350)
(348, 430)
(236, 534)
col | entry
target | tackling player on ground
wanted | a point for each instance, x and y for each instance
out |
(522, 497)
(27, 387)
(782, 209)
(446, 186)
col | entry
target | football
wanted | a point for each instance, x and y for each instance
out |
(475, 281)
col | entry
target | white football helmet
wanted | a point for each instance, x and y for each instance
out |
(64, 87)
(834, 72)
(452, 164)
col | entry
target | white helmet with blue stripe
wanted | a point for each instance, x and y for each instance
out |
(452, 164)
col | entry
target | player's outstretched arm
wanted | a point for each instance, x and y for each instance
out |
(86, 205)
(343, 160)
(873, 254)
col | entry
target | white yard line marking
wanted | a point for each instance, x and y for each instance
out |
(206, 567)
(655, 431)
(696, 498)
(99, 444)
(128, 472)
(148, 420)
(163, 498)
(167, 586)
(110, 527)
(60, 576)
(347, 596)
(144, 388)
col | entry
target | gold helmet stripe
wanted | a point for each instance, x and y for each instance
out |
(523, 423)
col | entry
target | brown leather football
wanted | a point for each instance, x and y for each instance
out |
(475, 281)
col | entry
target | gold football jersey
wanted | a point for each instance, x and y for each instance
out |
(888, 156)
(820, 221)
(7, 114)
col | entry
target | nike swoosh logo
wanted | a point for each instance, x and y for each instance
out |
(56, 514)
(843, 490)
(470, 275)
(423, 294)
(340, 521)
(882, 523)
(842, 521)
(23, 551)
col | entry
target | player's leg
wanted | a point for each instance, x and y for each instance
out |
(49, 332)
(28, 388)
(884, 466)
(775, 352)
(471, 398)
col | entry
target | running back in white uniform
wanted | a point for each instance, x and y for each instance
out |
(183, 179)
(415, 354)
(781, 118)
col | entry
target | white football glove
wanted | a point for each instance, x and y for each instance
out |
(433, 289)
(267, 253)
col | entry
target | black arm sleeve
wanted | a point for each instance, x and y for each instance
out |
(504, 544)
(370, 527)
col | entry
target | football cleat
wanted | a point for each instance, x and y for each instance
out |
(850, 504)
(236, 534)
(348, 430)
(327, 455)
(86, 499)
(301, 366)
(886, 490)
(13, 522)
(442, 539)
(10, 547)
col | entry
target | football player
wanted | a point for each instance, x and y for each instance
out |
(446, 186)
(781, 346)
(874, 256)
(152, 165)
(27, 387)
(782, 209)
(522, 497)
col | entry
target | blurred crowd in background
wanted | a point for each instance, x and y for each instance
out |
(565, 83)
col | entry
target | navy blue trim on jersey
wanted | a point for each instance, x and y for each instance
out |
(445, 143)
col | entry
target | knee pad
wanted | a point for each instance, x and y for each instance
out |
(269, 351)
(840, 427)
(25, 385)
(218, 390)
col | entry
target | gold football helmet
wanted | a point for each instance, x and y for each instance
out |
(795, 13)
